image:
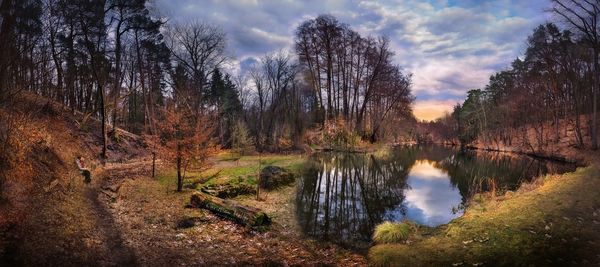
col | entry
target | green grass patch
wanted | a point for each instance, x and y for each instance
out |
(248, 166)
(234, 171)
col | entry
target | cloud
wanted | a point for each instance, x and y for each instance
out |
(450, 46)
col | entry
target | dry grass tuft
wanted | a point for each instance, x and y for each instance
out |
(389, 232)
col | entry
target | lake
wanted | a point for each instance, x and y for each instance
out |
(343, 196)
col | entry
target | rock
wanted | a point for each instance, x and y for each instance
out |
(272, 177)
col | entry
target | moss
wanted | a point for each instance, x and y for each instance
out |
(389, 232)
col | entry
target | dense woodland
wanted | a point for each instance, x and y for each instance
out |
(553, 88)
(118, 62)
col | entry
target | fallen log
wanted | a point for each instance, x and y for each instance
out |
(230, 210)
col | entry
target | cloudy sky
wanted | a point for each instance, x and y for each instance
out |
(450, 46)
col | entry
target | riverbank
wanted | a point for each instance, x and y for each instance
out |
(553, 221)
(152, 210)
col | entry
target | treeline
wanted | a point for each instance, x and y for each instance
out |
(119, 62)
(552, 89)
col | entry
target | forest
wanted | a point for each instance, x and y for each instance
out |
(553, 88)
(131, 136)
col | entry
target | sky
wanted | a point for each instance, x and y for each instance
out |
(450, 46)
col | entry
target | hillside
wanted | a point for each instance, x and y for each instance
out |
(50, 214)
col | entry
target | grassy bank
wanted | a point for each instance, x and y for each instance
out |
(553, 222)
(230, 168)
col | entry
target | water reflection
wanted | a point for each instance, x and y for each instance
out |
(343, 196)
(432, 199)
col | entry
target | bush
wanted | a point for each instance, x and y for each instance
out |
(389, 232)
(338, 135)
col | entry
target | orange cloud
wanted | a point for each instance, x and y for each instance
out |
(432, 109)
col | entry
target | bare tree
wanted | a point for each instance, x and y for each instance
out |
(200, 48)
(583, 16)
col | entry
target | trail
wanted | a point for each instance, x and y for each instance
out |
(99, 196)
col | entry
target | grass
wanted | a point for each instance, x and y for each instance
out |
(389, 232)
(230, 168)
(553, 224)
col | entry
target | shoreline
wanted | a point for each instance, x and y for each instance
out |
(536, 208)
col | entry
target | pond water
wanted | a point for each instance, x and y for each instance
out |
(343, 196)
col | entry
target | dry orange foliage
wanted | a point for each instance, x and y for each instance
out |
(183, 138)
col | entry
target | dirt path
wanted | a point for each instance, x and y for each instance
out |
(119, 253)
(100, 196)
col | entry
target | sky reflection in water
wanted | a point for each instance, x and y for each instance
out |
(430, 196)
(342, 197)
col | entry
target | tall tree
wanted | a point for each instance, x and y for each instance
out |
(200, 49)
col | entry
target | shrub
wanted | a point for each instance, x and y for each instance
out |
(240, 139)
(337, 134)
(116, 136)
(389, 232)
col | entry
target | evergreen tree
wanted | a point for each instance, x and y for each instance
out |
(223, 94)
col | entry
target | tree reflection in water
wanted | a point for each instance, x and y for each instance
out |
(343, 196)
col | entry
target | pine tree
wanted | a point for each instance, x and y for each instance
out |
(224, 96)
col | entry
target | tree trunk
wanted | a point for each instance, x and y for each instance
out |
(230, 210)
(153, 164)
(117, 83)
(179, 177)
(103, 117)
(594, 124)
